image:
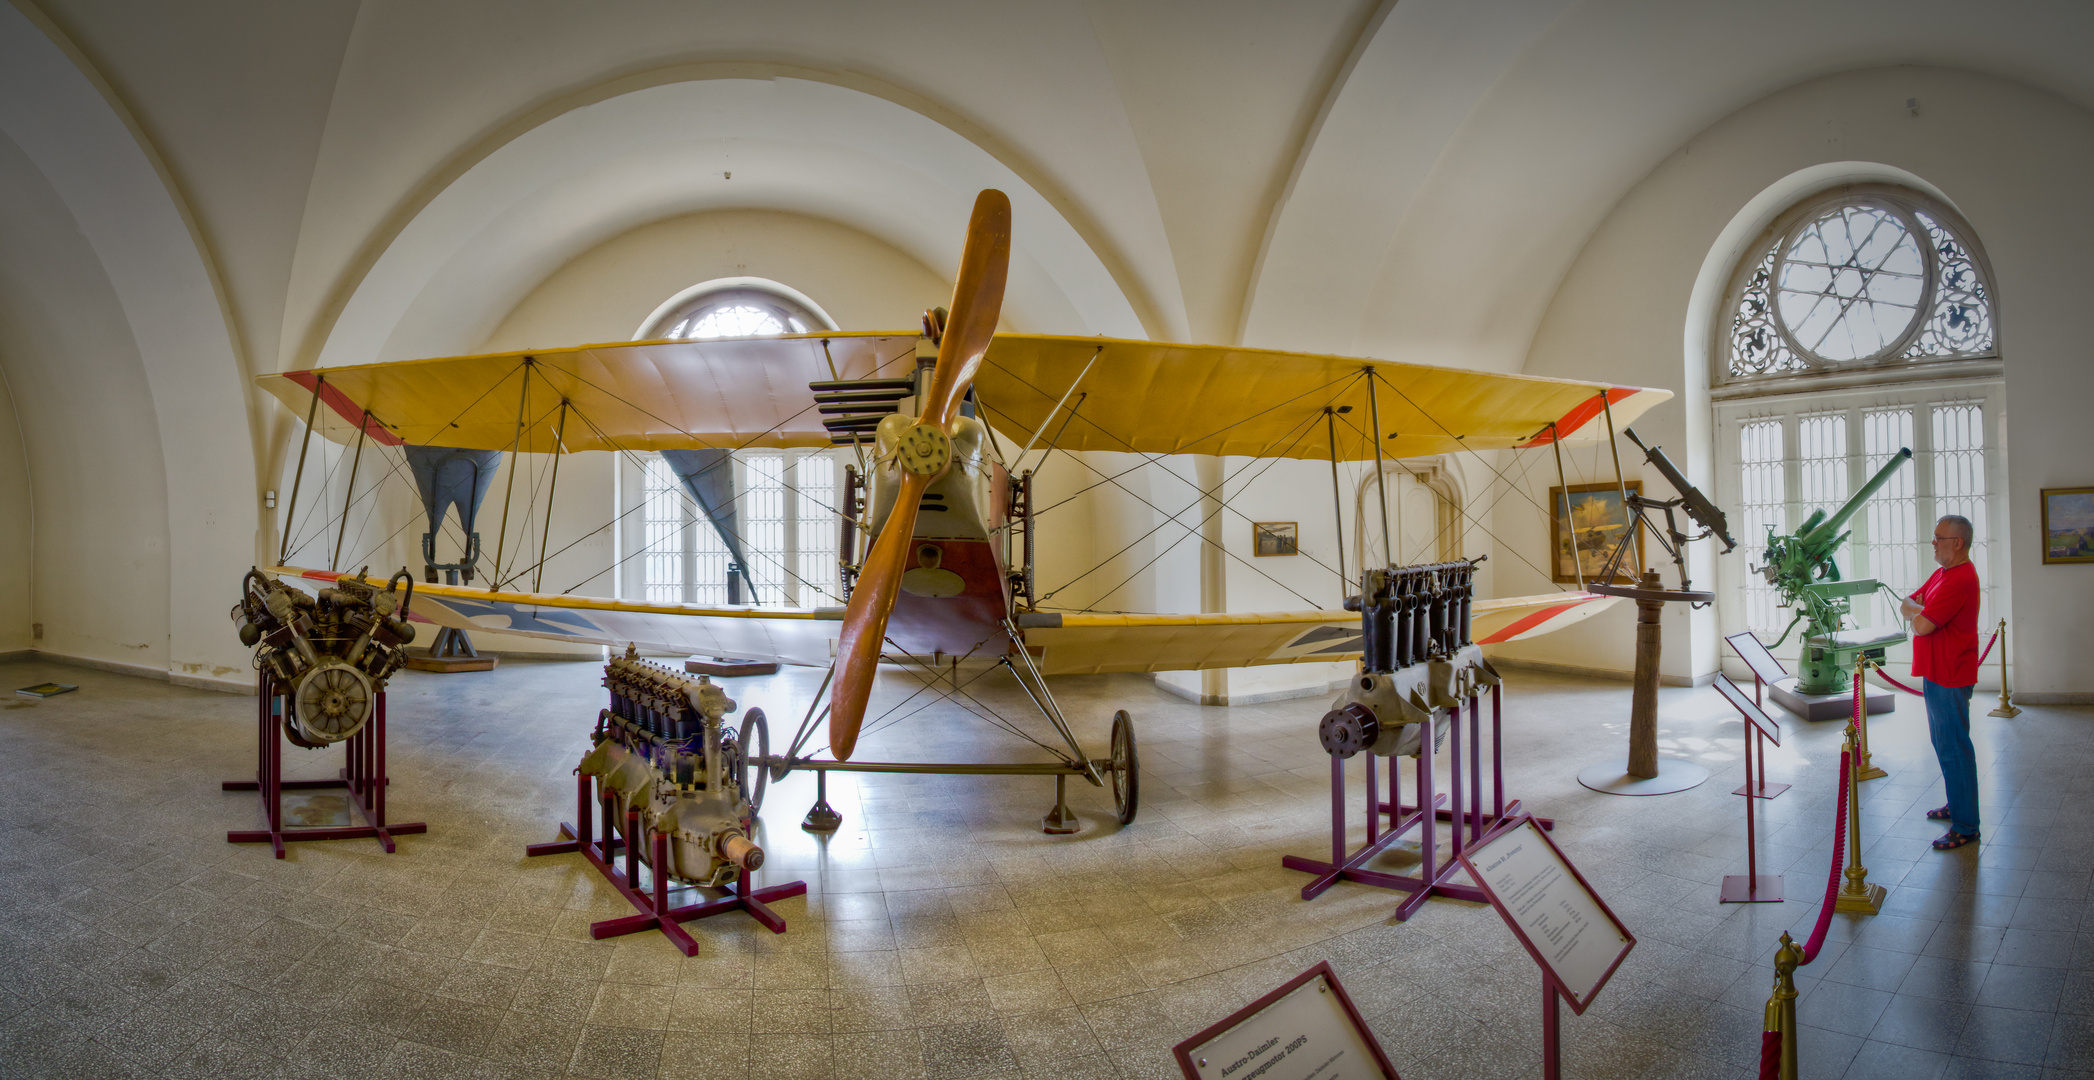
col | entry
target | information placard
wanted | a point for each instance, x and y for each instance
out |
(1307, 1029)
(1749, 649)
(1752, 713)
(1569, 931)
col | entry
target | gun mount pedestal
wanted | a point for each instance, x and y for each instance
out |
(1643, 772)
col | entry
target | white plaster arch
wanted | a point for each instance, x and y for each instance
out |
(780, 144)
(202, 437)
(1462, 149)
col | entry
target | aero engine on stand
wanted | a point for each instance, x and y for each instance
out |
(332, 652)
(1420, 667)
(678, 792)
(324, 661)
(661, 751)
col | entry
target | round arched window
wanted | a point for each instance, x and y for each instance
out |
(1860, 277)
(738, 310)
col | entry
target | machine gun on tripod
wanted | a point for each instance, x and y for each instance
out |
(1690, 499)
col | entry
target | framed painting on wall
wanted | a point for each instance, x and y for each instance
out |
(1277, 537)
(2068, 525)
(1589, 520)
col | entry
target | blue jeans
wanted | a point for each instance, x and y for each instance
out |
(1948, 722)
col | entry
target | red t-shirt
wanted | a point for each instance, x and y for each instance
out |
(1949, 655)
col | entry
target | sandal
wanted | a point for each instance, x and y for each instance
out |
(1941, 814)
(1952, 839)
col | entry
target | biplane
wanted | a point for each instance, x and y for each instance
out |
(939, 531)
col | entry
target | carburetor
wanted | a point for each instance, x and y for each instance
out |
(662, 750)
(332, 652)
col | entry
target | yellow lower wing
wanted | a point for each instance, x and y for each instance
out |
(790, 635)
(1079, 643)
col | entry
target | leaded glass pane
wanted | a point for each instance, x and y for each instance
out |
(1764, 500)
(816, 523)
(1851, 283)
(763, 525)
(1888, 545)
(662, 526)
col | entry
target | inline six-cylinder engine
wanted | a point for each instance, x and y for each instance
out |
(332, 652)
(662, 750)
(1417, 659)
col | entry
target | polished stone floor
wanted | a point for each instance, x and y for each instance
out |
(944, 936)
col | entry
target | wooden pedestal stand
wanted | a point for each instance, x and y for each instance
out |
(1644, 772)
(364, 778)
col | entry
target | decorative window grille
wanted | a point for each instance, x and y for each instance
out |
(1862, 279)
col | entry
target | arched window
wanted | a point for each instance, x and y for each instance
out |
(1861, 321)
(1863, 278)
(735, 309)
(784, 502)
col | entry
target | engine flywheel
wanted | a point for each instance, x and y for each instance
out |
(331, 703)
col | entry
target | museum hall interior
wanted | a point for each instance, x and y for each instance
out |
(1046, 540)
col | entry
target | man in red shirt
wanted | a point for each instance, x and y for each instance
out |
(1944, 615)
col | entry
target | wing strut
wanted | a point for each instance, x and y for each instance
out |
(283, 551)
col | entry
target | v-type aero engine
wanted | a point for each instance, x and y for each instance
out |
(333, 652)
(663, 756)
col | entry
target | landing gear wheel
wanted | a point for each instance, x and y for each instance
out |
(756, 749)
(1126, 768)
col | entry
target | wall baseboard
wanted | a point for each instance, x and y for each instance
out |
(1251, 699)
(1609, 674)
(2052, 697)
(136, 671)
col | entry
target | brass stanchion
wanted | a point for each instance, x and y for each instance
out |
(1781, 1007)
(1864, 769)
(1857, 897)
(2006, 699)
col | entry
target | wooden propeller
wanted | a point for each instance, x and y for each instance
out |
(924, 454)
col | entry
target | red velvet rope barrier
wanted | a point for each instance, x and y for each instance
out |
(1885, 676)
(1770, 1041)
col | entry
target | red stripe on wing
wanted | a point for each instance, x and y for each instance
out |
(1522, 625)
(1579, 416)
(345, 408)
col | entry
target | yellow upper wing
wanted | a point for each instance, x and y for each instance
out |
(1143, 396)
(635, 395)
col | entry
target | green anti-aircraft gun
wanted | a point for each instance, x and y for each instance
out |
(1801, 567)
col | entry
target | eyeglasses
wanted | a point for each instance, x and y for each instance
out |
(1946, 539)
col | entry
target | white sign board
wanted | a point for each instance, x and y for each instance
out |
(1306, 1030)
(1554, 913)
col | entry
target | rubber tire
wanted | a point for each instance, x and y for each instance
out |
(1126, 768)
(754, 751)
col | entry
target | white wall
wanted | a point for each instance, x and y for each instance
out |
(2012, 159)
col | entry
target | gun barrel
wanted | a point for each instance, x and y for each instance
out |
(1697, 505)
(1852, 506)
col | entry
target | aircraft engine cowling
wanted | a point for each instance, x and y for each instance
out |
(331, 653)
(661, 751)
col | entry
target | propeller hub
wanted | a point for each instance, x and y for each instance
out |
(924, 449)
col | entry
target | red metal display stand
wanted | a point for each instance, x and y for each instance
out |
(364, 777)
(1752, 887)
(652, 897)
(1466, 812)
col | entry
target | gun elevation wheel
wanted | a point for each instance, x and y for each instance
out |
(1126, 768)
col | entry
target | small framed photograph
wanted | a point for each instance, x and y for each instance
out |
(1589, 521)
(2068, 525)
(1277, 537)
